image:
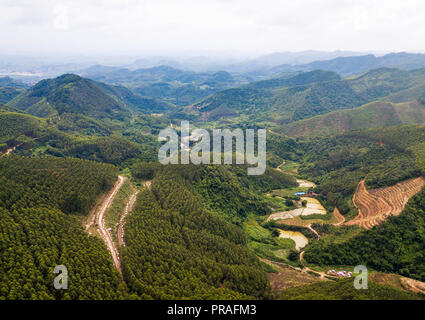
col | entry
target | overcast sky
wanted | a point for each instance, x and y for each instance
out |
(131, 27)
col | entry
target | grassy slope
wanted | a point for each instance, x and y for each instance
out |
(375, 114)
(344, 290)
(14, 125)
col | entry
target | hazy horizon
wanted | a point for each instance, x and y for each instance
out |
(216, 28)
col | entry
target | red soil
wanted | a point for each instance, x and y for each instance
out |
(375, 206)
(340, 219)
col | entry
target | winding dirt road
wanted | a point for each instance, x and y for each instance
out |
(128, 207)
(314, 231)
(305, 268)
(100, 223)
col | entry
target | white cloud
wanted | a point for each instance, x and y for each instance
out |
(135, 26)
(60, 20)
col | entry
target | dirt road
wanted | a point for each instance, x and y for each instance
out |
(100, 223)
(314, 231)
(128, 208)
(305, 268)
(10, 150)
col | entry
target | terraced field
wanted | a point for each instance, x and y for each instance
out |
(375, 206)
(313, 207)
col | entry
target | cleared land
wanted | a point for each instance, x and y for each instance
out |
(288, 167)
(306, 184)
(398, 282)
(340, 219)
(336, 219)
(300, 240)
(265, 244)
(375, 206)
(288, 277)
(313, 207)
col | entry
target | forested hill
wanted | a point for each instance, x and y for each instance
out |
(375, 114)
(135, 101)
(80, 136)
(306, 95)
(179, 227)
(183, 224)
(225, 189)
(6, 108)
(303, 78)
(39, 201)
(16, 128)
(207, 256)
(69, 94)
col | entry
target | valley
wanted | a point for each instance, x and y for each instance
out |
(343, 186)
(395, 198)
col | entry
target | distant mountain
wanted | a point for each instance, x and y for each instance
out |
(303, 57)
(12, 83)
(267, 65)
(300, 79)
(347, 66)
(69, 94)
(239, 65)
(285, 100)
(150, 62)
(372, 115)
(176, 86)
